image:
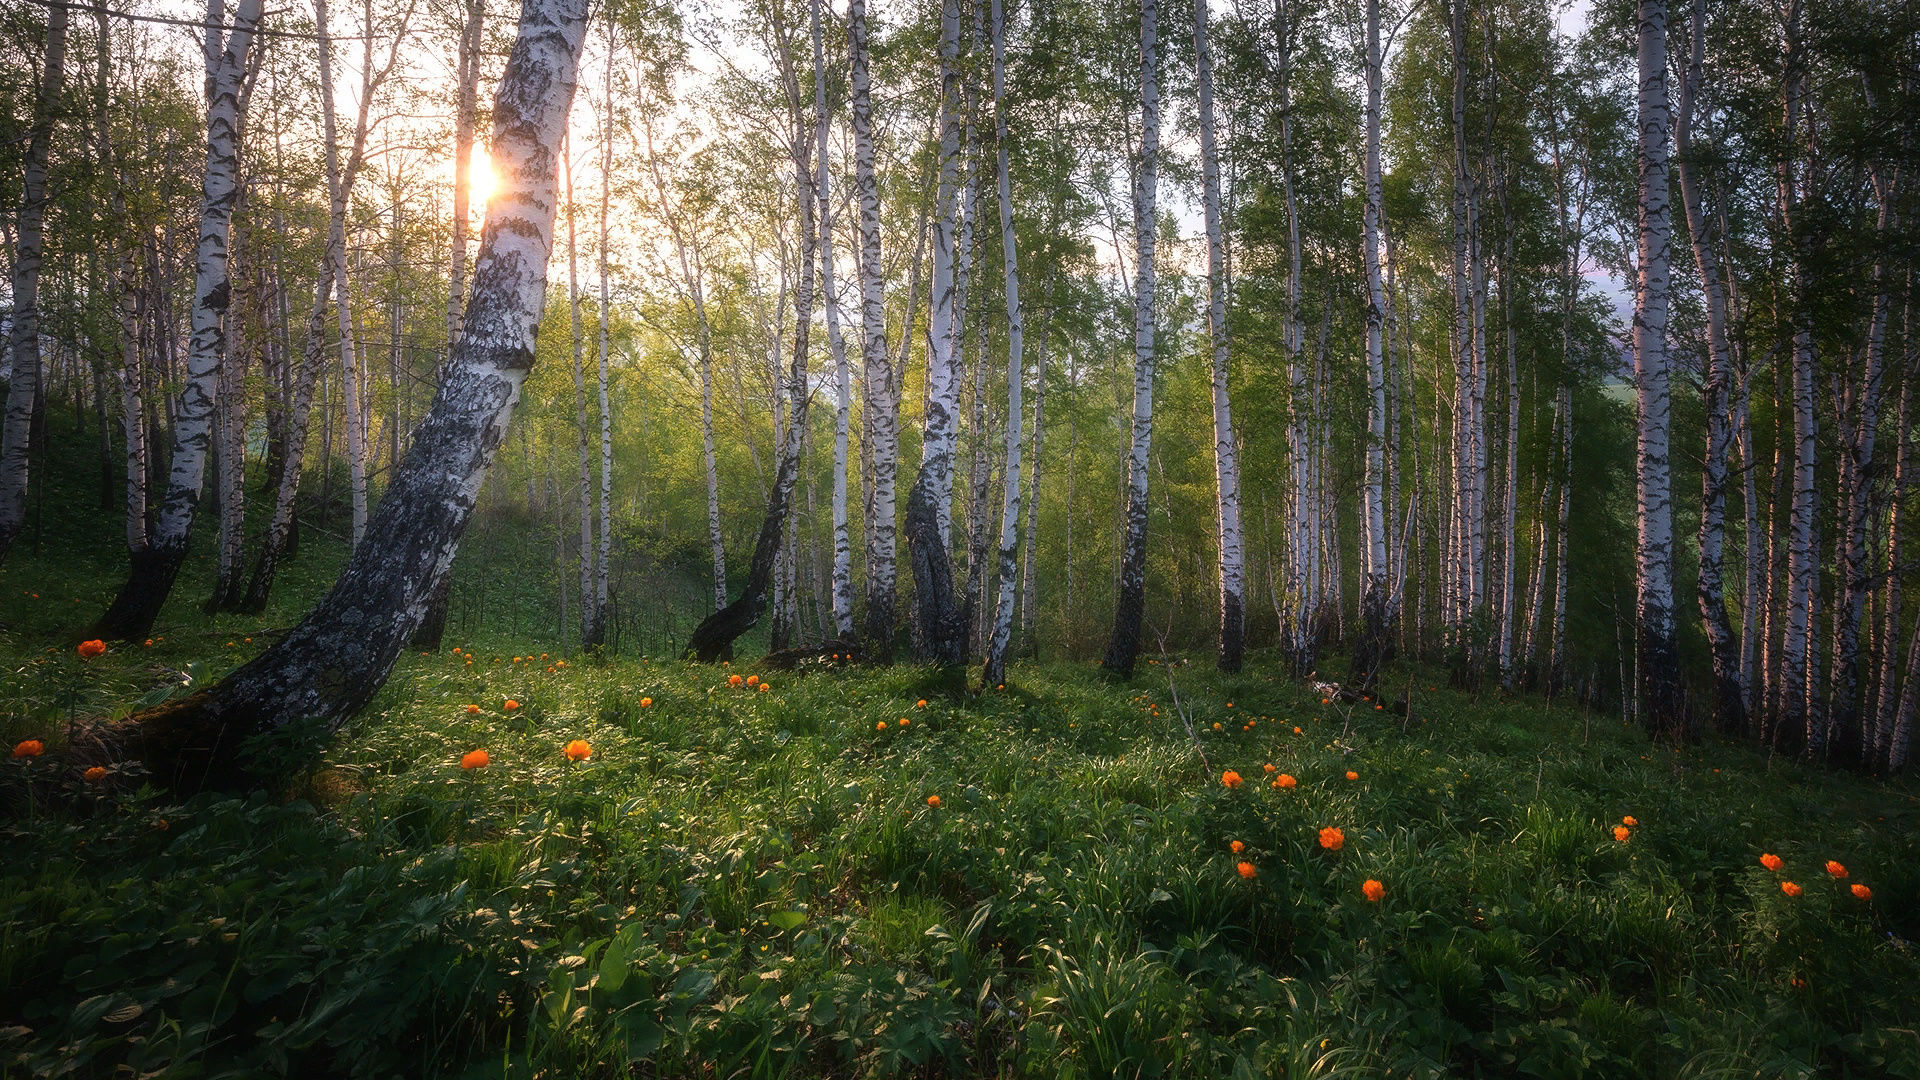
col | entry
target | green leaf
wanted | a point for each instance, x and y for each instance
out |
(787, 920)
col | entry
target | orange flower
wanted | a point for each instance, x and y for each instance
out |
(933, 800)
(1862, 892)
(646, 703)
(921, 704)
(512, 704)
(28, 748)
(1296, 730)
(473, 708)
(1237, 847)
(1270, 767)
(881, 726)
(904, 721)
(1373, 890)
(1631, 821)
(1836, 869)
(90, 649)
(1286, 781)
(578, 750)
(516, 659)
(1771, 861)
(1351, 775)
(149, 641)
(1247, 871)
(99, 773)
(474, 759)
(765, 686)
(1230, 778)
(1790, 888)
(753, 680)
(734, 680)
(1332, 839)
(1216, 726)
(1621, 832)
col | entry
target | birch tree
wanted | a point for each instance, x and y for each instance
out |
(1659, 688)
(1123, 647)
(138, 603)
(881, 390)
(23, 378)
(842, 377)
(1226, 455)
(337, 658)
(1375, 604)
(994, 672)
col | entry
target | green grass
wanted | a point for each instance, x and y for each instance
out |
(741, 883)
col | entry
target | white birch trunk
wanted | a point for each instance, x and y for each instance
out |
(1226, 458)
(467, 74)
(604, 558)
(133, 411)
(881, 392)
(1124, 645)
(24, 374)
(590, 630)
(842, 583)
(1375, 613)
(1657, 640)
(995, 670)
(1797, 715)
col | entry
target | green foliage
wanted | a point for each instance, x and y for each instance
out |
(755, 882)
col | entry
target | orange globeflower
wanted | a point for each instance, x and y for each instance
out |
(1771, 861)
(881, 726)
(753, 680)
(734, 680)
(1286, 781)
(1216, 725)
(512, 704)
(1296, 729)
(99, 773)
(1631, 821)
(921, 704)
(765, 686)
(1621, 832)
(90, 649)
(28, 748)
(1836, 869)
(1790, 888)
(1230, 778)
(933, 800)
(1247, 871)
(1237, 847)
(646, 703)
(1351, 775)
(904, 721)
(473, 708)
(1332, 839)
(1373, 890)
(474, 759)
(1270, 767)
(1862, 892)
(578, 750)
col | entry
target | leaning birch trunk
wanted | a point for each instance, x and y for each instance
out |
(1123, 648)
(994, 673)
(591, 625)
(1376, 615)
(1729, 696)
(881, 404)
(132, 613)
(942, 631)
(1657, 641)
(842, 586)
(23, 386)
(338, 657)
(1226, 458)
(712, 641)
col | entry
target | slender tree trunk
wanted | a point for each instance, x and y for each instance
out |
(1226, 455)
(336, 659)
(278, 542)
(340, 194)
(1030, 569)
(23, 386)
(1123, 648)
(133, 411)
(1376, 614)
(603, 560)
(1296, 634)
(1558, 667)
(1729, 709)
(1797, 713)
(131, 615)
(842, 580)
(881, 399)
(942, 630)
(592, 625)
(995, 671)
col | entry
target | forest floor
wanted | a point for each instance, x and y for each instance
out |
(830, 877)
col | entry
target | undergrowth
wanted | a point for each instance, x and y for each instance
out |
(749, 883)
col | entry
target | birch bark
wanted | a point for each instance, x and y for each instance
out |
(1376, 615)
(994, 673)
(1226, 459)
(881, 401)
(842, 582)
